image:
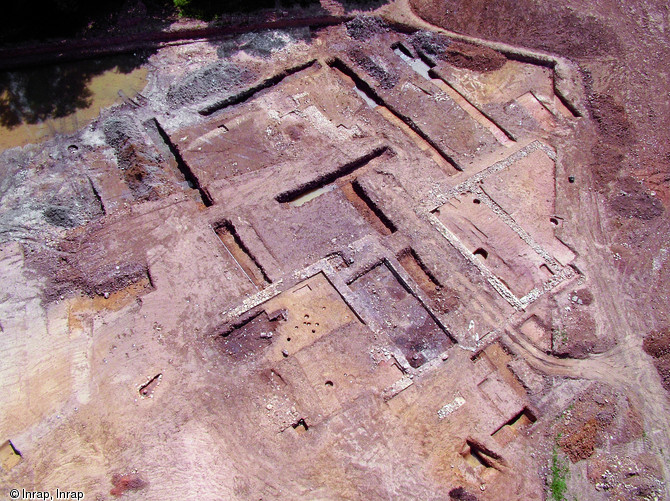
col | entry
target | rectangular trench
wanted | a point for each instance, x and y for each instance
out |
(404, 123)
(250, 92)
(368, 209)
(306, 189)
(416, 269)
(189, 176)
(239, 252)
(424, 67)
(408, 323)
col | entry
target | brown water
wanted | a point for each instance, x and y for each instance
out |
(35, 105)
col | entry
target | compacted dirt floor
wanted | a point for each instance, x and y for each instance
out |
(420, 253)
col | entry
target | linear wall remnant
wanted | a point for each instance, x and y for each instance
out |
(495, 282)
(472, 183)
(565, 101)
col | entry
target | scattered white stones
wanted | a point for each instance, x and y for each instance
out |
(400, 385)
(450, 407)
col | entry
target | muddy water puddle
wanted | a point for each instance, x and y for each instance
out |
(36, 104)
(311, 195)
(368, 100)
(417, 64)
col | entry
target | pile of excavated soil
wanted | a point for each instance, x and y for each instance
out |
(657, 344)
(596, 417)
(458, 54)
(613, 52)
(616, 48)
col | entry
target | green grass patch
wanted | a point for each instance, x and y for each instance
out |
(558, 477)
(561, 334)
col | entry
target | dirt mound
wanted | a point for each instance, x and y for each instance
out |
(70, 274)
(626, 477)
(607, 162)
(129, 482)
(635, 201)
(617, 135)
(78, 264)
(386, 79)
(365, 27)
(657, 345)
(574, 334)
(221, 76)
(140, 162)
(611, 119)
(599, 416)
(459, 54)
(262, 43)
(112, 278)
(581, 443)
(584, 424)
(44, 191)
(460, 494)
(526, 23)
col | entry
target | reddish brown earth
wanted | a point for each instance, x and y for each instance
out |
(657, 345)
(420, 254)
(128, 482)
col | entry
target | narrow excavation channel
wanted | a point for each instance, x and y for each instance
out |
(376, 103)
(423, 69)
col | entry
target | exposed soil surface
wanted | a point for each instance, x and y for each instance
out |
(657, 344)
(419, 253)
(128, 482)
(458, 54)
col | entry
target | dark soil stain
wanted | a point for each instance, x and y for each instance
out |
(657, 345)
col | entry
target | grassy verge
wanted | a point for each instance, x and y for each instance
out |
(558, 476)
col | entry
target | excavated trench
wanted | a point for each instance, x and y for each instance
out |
(354, 240)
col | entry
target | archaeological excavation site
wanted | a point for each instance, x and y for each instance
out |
(414, 250)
